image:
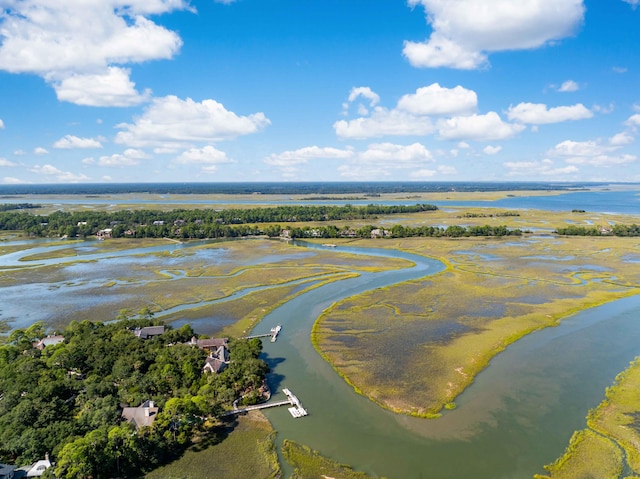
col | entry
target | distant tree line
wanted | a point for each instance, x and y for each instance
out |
(66, 400)
(17, 206)
(615, 230)
(400, 231)
(197, 223)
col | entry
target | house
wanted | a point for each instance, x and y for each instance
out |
(48, 341)
(158, 223)
(105, 233)
(218, 360)
(210, 345)
(38, 468)
(141, 416)
(148, 332)
(213, 365)
(6, 471)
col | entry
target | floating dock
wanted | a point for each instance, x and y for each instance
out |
(273, 334)
(296, 409)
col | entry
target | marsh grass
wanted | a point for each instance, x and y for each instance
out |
(241, 451)
(588, 455)
(309, 464)
(443, 330)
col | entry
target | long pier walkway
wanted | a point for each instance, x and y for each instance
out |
(296, 409)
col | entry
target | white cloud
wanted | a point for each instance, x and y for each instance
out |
(539, 114)
(116, 160)
(633, 120)
(570, 148)
(422, 174)
(436, 100)
(633, 3)
(62, 176)
(384, 122)
(365, 92)
(169, 123)
(1, 124)
(489, 127)
(620, 69)
(569, 86)
(111, 87)
(5, 162)
(71, 142)
(303, 155)
(592, 153)
(492, 150)
(603, 160)
(208, 158)
(10, 180)
(621, 139)
(464, 31)
(391, 155)
(69, 42)
(536, 168)
(40, 151)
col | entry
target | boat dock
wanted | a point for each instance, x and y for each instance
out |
(296, 409)
(273, 334)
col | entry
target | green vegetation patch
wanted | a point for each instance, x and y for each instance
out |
(246, 449)
(309, 464)
(588, 456)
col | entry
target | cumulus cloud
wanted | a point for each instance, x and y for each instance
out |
(569, 86)
(304, 155)
(109, 88)
(40, 151)
(534, 168)
(69, 142)
(465, 31)
(62, 176)
(539, 114)
(170, 123)
(1, 124)
(75, 45)
(492, 150)
(384, 122)
(10, 180)
(5, 162)
(488, 127)
(621, 139)
(592, 153)
(208, 158)
(436, 100)
(580, 148)
(633, 120)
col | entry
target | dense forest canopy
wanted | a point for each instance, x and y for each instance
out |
(67, 399)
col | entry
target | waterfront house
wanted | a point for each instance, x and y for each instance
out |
(209, 345)
(105, 233)
(38, 468)
(141, 416)
(48, 341)
(148, 332)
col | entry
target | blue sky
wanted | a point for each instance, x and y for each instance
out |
(308, 90)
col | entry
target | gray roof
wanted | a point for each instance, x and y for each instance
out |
(142, 416)
(148, 331)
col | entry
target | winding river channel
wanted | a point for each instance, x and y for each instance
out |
(516, 417)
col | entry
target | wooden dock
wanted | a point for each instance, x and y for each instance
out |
(273, 334)
(296, 409)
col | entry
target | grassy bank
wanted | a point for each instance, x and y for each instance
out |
(611, 443)
(308, 464)
(241, 450)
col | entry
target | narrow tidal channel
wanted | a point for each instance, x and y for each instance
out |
(516, 417)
